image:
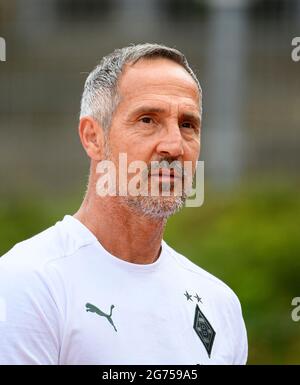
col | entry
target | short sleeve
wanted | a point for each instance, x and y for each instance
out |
(29, 317)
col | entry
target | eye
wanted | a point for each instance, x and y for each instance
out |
(187, 125)
(146, 119)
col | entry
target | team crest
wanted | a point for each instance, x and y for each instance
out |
(204, 330)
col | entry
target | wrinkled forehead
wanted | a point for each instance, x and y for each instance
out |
(157, 76)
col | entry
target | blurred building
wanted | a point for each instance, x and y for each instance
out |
(240, 49)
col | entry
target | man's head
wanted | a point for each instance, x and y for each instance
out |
(144, 101)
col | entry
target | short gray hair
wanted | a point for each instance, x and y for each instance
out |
(100, 95)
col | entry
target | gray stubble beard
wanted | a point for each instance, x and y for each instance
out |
(153, 207)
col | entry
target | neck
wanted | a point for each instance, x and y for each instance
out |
(123, 233)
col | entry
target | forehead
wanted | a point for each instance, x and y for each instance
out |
(158, 78)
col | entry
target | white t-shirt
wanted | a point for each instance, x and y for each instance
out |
(64, 299)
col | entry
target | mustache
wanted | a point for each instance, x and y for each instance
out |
(166, 163)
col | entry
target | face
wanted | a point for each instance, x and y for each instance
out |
(158, 118)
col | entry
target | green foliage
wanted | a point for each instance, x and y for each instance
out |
(250, 240)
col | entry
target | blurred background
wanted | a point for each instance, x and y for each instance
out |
(247, 231)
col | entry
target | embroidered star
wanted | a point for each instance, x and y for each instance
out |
(197, 298)
(188, 296)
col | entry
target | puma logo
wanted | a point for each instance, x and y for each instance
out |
(94, 309)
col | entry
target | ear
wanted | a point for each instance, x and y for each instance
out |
(92, 137)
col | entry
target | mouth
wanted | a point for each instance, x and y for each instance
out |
(165, 174)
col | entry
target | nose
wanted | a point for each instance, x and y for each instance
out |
(171, 144)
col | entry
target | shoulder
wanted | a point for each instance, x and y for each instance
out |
(30, 272)
(36, 250)
(51, 245)
(195, 273)
(23, 269)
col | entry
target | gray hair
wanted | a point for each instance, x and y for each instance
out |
(100, 95)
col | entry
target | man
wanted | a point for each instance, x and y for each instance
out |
(101, 286)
